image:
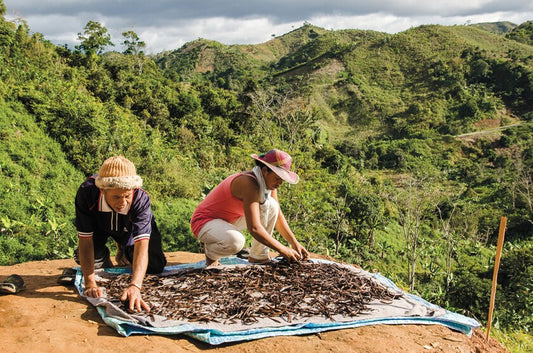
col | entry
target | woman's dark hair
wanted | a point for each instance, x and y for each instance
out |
(261, 164)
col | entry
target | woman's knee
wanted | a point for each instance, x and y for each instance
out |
(221, 239)
(234, 242)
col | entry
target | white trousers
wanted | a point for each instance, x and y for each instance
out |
(222, 238)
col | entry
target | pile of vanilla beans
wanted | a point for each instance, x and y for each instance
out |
(244, 294)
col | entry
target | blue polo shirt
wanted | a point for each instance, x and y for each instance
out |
(96, 219)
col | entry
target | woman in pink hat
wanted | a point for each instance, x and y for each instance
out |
(248, 200)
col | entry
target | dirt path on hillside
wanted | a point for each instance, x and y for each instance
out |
(50, 318)
(487, 131)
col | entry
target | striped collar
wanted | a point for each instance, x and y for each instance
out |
(103, 206)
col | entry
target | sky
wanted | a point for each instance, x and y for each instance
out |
(168, 24)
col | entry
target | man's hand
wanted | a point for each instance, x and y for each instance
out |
(132, 296)
(93, 291)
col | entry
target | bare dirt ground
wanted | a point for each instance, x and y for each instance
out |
(47, 317)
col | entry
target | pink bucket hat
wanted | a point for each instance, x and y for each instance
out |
(280, 163)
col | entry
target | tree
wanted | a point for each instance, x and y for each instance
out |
(261, 108)
(134, 46)
(341, 209)
(3, 9)
(282, 116)
(94, 38)
(447, 218)
(367, 210)
(524, 184)
(412, 201)
(293, 118)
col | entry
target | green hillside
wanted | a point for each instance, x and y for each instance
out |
(377, 125)
(523, 33)
(35, 177)
(496, 27)
(373, 76)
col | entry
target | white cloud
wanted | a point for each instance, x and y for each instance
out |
(393, 24)
(168, 24)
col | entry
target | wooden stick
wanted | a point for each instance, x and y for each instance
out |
(501, 236)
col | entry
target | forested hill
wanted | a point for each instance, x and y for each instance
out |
(371, 120)
(406, 82)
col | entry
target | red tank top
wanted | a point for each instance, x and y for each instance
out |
(218, 204)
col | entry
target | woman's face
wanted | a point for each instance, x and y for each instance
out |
(272, 180)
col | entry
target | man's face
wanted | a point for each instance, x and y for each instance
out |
(118, 199)
(272, 180)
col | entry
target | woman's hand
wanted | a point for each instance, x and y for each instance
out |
(296, 253)
(290, 254)
(304, 254)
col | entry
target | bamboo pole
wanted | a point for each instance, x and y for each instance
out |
(501, 236)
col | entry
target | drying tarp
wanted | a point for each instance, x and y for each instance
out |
(409, 309)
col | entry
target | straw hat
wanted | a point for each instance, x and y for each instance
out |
(118, 173)
(280, 163)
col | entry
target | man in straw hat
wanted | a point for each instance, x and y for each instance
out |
(248, 200)
(112, 204)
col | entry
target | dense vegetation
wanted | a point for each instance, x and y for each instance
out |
(377, 125)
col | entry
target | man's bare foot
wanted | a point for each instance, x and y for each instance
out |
(257, 261)
(121, 259)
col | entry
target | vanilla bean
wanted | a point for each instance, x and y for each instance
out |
(277, 290)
